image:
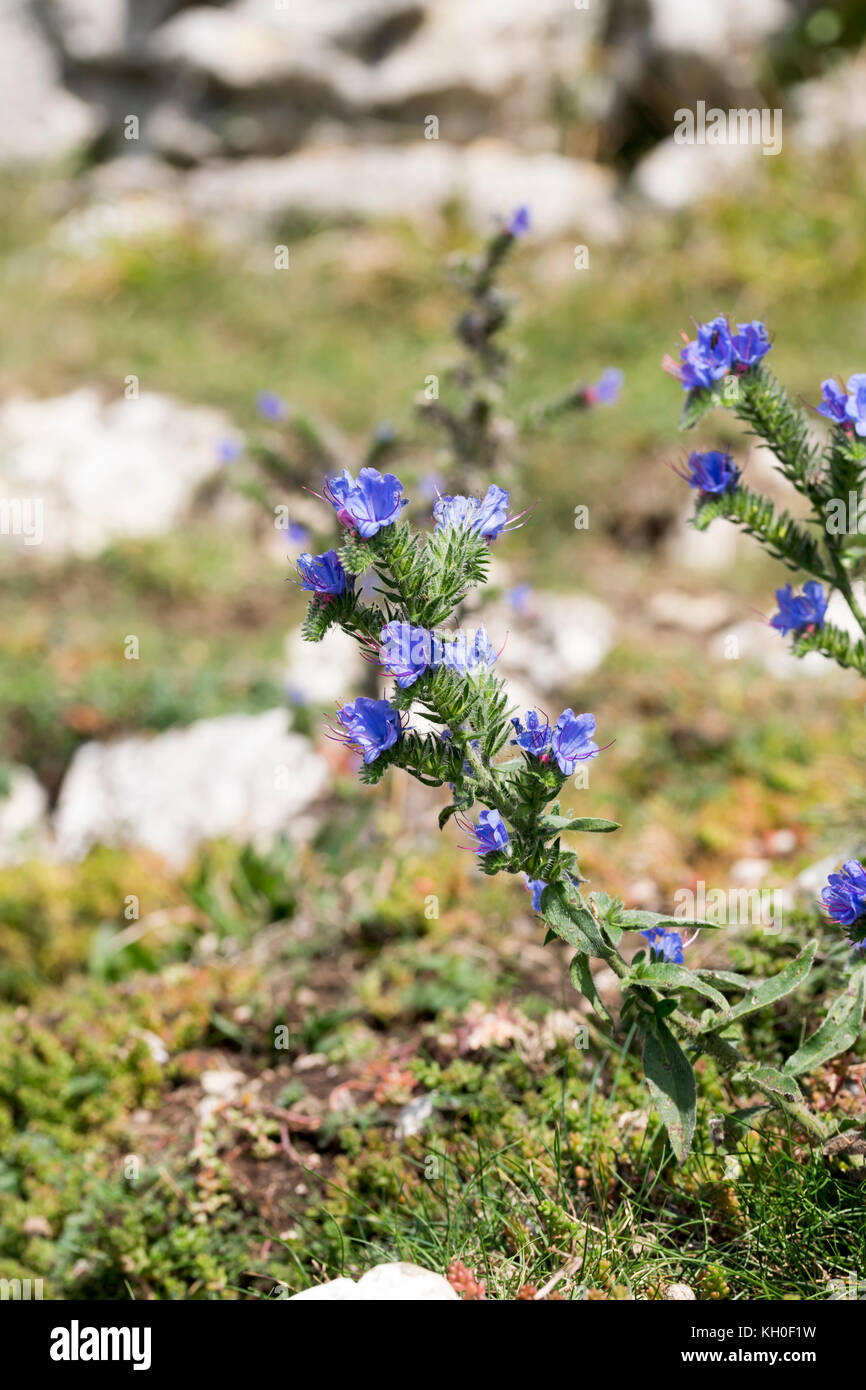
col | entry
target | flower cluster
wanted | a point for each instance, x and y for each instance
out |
(717, 350)
(710, 473)
(665, 945)
(486, 516)
(845, 405)
(844, 900)
(407, 652)
(367, 503)
(568, 741)
(800, 612)
(323, 574)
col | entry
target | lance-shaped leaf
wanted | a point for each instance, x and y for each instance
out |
(669, 975)
(581, 978)
(770, 1081)
(608, 910)
(768, 991)
(839, 1031)
(563, 910)
(698, 403)
(555, 825)
(672, 1086)
(635, 919)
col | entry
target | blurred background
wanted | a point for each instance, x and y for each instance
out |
(227, 251)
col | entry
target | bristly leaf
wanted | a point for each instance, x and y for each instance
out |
(671, 1081)
(839, 1031)
(768, 991)
(563, 910)
(778, 532)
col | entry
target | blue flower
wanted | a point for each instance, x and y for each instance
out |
(856, 402)
(535, 736)
(370, 726)
(835, 401)
(844, 898)
(751, 342)
(711, 473)
(486, 515)
(490, 831)
(799, 611)
(323, 574)
(271, 406)
(536, 887)
(571, 741)
(607, 389)
(466, 656)
(406, 652)
(229, 449)
(519, 222)
(665, 945)
(519, 597)
(368, 504)
(709, 357)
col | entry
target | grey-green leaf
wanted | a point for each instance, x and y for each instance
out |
(668, 975)
(765, 1078)
(581, 978)
(672, 1086)
(768, 991)
(839, 1031)
(564, 912)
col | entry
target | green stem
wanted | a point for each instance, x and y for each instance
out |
(727, 1057)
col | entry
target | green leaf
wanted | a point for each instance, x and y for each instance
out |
(672, 1086)
(635, 919)
(768, 991)
(765, 1079)
(608, 910)
(555, 825)
(728, 977)
(839, 1031)
(668, 975)
(581, 978)
(698, 403)
(564, 912)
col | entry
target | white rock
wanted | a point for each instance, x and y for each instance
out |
(23, 818)
(749, 873)
(321, 675)
(335, 1291)
(490, 48)
(558, 642)
(678, 1293)
(246, 777)
(91, 31)
(674, 176)
(714, 31)
(831, 109)
(413, 1117)
(698, 613)
(105, 470)
(39, 119)
(704, 551)
(814, 877)
(246, 55)
(391, 1283)
(414, 181)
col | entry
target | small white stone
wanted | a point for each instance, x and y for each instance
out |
(392, 1283)
(678, 1293)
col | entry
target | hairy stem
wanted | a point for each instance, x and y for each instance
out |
(728, 1057)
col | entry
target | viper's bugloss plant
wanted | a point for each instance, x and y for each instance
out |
(724, 365)
(505, 772)
(463, 401)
